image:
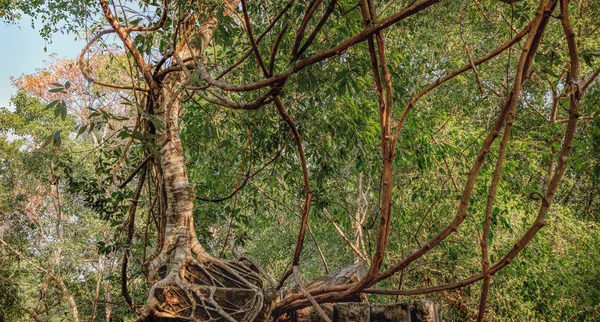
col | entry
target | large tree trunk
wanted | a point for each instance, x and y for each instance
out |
(186, 282)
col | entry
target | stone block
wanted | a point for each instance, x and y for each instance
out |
(399, 312)
(351, 312)
(423, 311)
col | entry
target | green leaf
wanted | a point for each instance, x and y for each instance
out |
(92, 125)
(137, 135)
(56, 141)
(51, 105)
(63, 110)
(124, 134)
(81, 130)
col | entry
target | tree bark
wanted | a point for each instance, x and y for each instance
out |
(185, 281)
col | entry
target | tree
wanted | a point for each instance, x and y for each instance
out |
(46, 228)
(179, 59)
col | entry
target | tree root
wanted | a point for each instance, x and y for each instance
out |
(203, 288)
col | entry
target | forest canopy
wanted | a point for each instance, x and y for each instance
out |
(204, 160)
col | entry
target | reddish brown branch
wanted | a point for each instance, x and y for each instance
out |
(488, 212)
(307, 190)
(126, 39)
(258, 39)
(135, 171)
(529, 50)
(261, 62)
(276, 48)
(413, 100)
(379, 67)
(575, 95)
(303, 25)
(318, 28)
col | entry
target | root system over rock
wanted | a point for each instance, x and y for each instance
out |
(207, 289)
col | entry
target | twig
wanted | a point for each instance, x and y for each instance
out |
(135, 171)
(341, 233)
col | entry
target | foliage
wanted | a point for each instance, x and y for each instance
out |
(247, 176)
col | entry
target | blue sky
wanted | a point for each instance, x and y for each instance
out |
(23, 53)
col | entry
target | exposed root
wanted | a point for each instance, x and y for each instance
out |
(204, 288)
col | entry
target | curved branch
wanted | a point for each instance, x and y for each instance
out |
(124, 36)
(307, 190)
(375, 27)
(300, 148)
(158, 25)
(529, 50)
(87, 76)
(318, 28)
(413, 100)
(258, 39)
(336, 50)
(527, 54)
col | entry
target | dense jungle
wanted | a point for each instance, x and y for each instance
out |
(205, 160)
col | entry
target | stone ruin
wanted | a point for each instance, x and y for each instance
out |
(416, 311)
(357, 309)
